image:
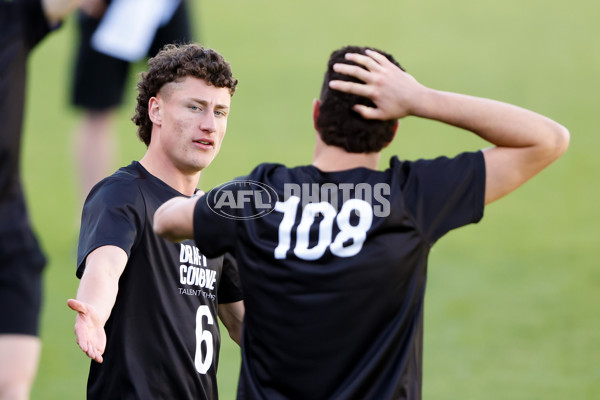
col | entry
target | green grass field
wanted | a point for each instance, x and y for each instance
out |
(512, 303)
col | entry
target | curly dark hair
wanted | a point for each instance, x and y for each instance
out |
(341, 126)
(173, 63)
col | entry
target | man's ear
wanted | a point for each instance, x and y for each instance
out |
(316, 106)
(155, 110)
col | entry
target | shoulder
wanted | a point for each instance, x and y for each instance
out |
(265, 170)
(443, 193)
(437, 168)
(125, 180)
(276, 175)
(437, 162)
(121, 187)
(270, 174)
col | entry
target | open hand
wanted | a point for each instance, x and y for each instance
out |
(89, 330)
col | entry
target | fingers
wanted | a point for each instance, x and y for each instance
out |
(359, 89)
(368, 112)
(351, 87)
(88, 344)
(353, 71)
(380, 58)
(371, 61)
(91, 351)
(95, 354)
(77, 305)
(382, 82)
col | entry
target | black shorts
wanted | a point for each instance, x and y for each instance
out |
(99, 79)
(21, 266)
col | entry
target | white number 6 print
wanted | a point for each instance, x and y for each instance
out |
(203, 362)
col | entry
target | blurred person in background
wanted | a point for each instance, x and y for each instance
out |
(114, 34)
(23, 24)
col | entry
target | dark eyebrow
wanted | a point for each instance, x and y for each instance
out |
(205, 103)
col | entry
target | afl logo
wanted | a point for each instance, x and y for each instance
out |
(242, 199)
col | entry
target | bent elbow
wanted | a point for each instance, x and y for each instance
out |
(563, 137)
(556, 143)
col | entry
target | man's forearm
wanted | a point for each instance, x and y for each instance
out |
(100, 282)
(524, 142)
(174, 219)
(499, 123)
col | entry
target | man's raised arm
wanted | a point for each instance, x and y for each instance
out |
(525, 142)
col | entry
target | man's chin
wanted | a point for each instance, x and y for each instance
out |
(200, 165)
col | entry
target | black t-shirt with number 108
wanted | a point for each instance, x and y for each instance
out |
(163, 334)
(333, 271)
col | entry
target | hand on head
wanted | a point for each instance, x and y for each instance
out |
(394, 92)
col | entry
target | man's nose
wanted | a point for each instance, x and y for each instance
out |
(208, 122)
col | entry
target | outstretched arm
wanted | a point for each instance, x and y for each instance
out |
(525, 142)
(96, 297)
(174, 220)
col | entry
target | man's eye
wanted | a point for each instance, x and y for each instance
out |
(194, 108)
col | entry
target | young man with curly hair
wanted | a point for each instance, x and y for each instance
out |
(334, 276)
(147, 308)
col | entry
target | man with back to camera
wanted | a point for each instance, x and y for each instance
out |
(147, 308)
(23, 25)
(334, 287)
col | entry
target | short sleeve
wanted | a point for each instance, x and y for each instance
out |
(214, 233)
(113, 214)
(230, 289)
(445, 193)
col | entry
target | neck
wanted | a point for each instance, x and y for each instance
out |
(184, 182)
(332, 158)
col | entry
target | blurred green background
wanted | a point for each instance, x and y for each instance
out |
(512, 303)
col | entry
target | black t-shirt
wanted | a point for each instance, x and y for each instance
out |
(163, 333)
(334, 274)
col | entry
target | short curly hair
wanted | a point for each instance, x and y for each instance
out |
(173, 63)
(338, 124)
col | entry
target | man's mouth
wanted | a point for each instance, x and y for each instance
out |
(204, 142)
